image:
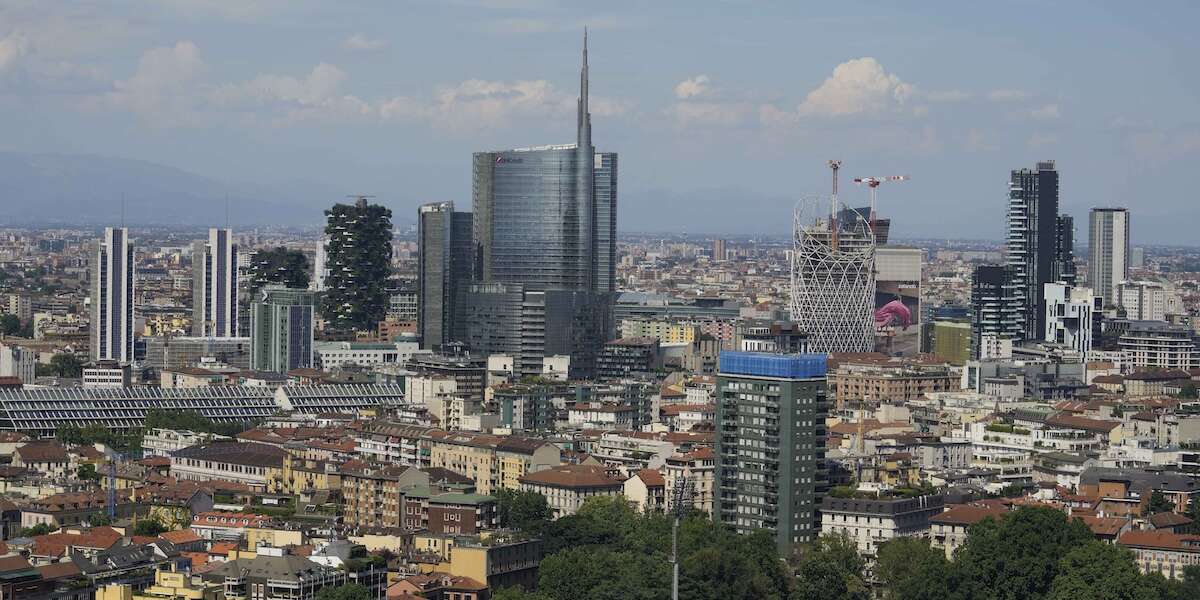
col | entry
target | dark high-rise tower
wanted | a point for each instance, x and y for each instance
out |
(444, 265)
(545, 229)
(359, 254)
(995, 305)
(1040, 244)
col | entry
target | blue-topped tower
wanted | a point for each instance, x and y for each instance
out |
(771, 411)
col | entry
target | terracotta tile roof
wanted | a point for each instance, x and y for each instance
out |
(222, 548)
(1168, 519)
(59, 570)
(181, 536)
(9, 564)
(198, 559)
(967, 514)
(1163, 540)
(676, 409)
(1104, 526)
(651, 478)
(1084, 423)
(39, 452)
(573, 476)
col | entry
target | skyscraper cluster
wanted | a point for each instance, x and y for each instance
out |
(536, 275)
(1040, 246)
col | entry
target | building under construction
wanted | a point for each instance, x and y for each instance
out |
(833, 274)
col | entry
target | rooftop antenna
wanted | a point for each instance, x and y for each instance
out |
(226, 211)
(834, 165)
(122, 209)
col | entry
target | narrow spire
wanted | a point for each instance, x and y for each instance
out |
(583, 120)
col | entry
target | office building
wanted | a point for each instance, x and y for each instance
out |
(1040, 244)
(629, 357)
(215, 285)
(545, 233)
(404, 301)
(1108, 251)
(760, 335)
(996, 305)
(281, 329)
(112, 297)
(771, 412)
(1069, 315)
(1137, 258)
(445, 263)
(719, 252)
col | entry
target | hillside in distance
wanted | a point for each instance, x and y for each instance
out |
(67, 189)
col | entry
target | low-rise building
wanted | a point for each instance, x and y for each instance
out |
(164, 442)
(1162, 552)
(566, 487)
(870, 522)
(948, 530)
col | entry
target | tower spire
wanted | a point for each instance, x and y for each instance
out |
(584, 119)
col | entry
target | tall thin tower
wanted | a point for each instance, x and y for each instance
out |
(215, 285)
(113, 297)
(1108, 251)
(833, 276)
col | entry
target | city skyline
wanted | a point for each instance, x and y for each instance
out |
(703, 134)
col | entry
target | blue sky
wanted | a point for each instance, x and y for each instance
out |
(723, 112)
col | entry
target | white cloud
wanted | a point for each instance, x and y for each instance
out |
(1007, 95)
(360, 41)
(947, 96)
(692, 87)
(1042, 140)
(858, 86)
(161, 88)
(1048, 111)
(317, 95)
(13, 47)
(476, 103)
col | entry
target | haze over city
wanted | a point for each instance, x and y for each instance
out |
(723, 113)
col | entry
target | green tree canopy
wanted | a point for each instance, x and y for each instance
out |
(525, 511)
(1159, 503)
(36, 530)
(350, 591)
(87, 472)
(1017, 556)
(910, 569)
(10, 324)
(1100, 571)
(149, 527)
(66, 365)
(830, 569)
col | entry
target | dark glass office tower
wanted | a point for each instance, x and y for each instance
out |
(1040, 244)
(996, 306)
(444, 266)
(545, 225)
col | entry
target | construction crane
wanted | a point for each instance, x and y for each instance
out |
(873, 183)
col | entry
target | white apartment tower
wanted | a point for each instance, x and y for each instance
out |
(112, 297)
(1108, 251)
(1069, 314)
(215, 285)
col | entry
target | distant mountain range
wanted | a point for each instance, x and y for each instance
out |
(48, 189)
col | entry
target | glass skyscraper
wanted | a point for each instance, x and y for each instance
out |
(545, 227)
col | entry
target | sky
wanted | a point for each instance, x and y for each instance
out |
(723, 113)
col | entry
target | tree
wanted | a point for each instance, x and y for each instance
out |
(516, 593)
(1102, 572)
(87, 472)
(67, 365)
(1017, 556)
(525, 511)
(598, 573)
(1159, 503)
(351, 591)
(10, 324)
(278, 265)
(36, 530)
(360, 252)
(1188, 390)
(830, 569)
(149, 527)
(910, 569)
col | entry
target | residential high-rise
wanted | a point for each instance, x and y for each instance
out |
(997, 306)
(444, 264)
(771, 411)
(281, 329)
(1040, 243)
(112, 297)
(358, 257)
(1108, 251)
(215, 285)
(719, 253)
(1069, 315)
(545, 229)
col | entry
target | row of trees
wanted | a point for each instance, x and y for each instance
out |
(74, 435)
(609, 551)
